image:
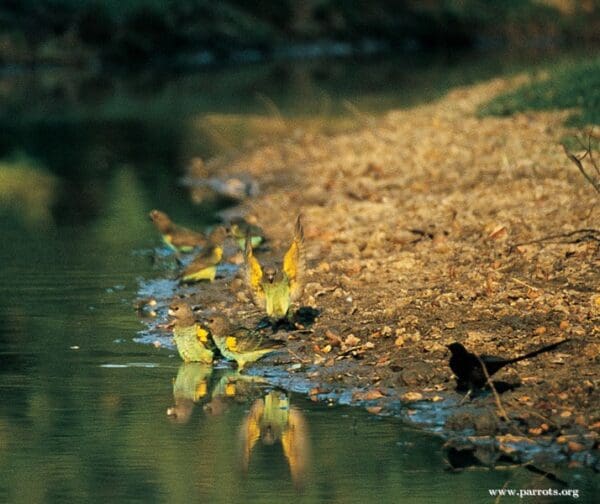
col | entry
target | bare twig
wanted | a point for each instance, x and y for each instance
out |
(294, 354)
(348, 351)
(497, 501)
(273, 109)
(501, 409)
(516, 280)
(577, 161)
(588, 234)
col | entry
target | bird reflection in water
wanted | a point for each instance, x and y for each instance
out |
(271, 419)
(189, 387)
(233, 388)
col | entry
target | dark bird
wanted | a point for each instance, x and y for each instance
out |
(469, 370)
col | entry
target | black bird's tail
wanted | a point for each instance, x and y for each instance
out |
(537, 352)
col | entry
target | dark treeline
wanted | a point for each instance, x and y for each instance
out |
(205, 31)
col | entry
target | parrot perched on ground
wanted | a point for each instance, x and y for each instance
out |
(192, 340)
(275, 289)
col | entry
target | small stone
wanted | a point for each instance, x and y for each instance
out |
(386, 331)
(318, 360)
(595, 426)
(498, 233)
(236, 284)
(417, 373)
(596, 303)
(323, 267)
(485, 423)
(412, 396)
(333, 338)
(414, 337)
(242, 297)
(368, 395)
(351, 340)
(574, 446)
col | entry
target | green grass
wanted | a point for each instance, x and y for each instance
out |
(562, 86)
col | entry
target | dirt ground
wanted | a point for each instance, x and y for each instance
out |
(417, 228)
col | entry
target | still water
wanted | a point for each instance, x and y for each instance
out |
(84, 401)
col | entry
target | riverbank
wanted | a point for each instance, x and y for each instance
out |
(423, 228)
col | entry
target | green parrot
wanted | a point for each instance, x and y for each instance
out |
(179, 238)
(204, 266)
(192, 340)
(274, 289)
(239, 229)
(241, 344)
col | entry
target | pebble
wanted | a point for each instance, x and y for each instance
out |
(412, 396)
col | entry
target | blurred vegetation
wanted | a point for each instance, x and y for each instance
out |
(84, 126)
(563, 86)
(28, 190)
(202, 31)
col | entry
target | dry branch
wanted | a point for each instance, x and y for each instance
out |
(593, 179)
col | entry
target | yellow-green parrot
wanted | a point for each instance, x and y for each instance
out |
(240, 229)
(240, 344)
(192, 340)
(179, 238)
(275, 289)
(204, 266)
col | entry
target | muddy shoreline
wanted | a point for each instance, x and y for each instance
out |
(417, 228)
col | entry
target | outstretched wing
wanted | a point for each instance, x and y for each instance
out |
(294, 262)
(250, 432)
(253, 275)
(296, 448)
